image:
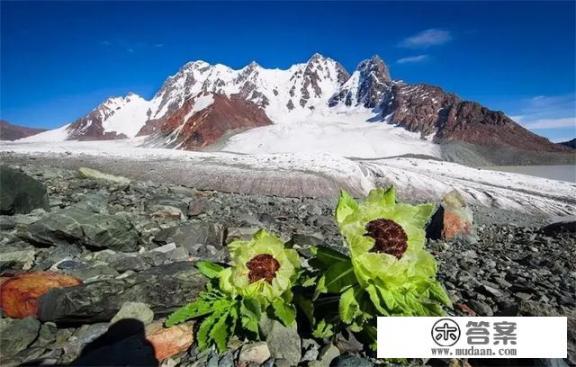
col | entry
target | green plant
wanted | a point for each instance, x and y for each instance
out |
(259, 280)
(388, 272)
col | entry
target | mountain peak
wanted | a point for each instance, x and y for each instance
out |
(252, 66)
(317, 57)
(195, 65)
(376, 67)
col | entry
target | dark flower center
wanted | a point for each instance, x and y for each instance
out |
(262, 267)
(389, 236)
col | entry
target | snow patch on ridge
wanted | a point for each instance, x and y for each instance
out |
(129, 116)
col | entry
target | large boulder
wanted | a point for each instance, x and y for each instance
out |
(20, 193)
(163, 288)
(202, 239)
(562, 225)
(453, 220)
(84, 227)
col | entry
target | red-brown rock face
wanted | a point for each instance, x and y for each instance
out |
(187, 129)
(427, 109)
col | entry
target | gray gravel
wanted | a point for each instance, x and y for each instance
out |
(514, 269)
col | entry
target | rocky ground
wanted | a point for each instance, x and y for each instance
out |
(130, 243)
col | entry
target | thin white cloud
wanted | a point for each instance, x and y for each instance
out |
(413, 59)
(551, 123)
(429, 37)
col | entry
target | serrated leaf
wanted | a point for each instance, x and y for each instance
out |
(203, 336)
(209, 269)
(192, 310)
(250, 314)
(220, 332)
(284, 312)
(323, 329)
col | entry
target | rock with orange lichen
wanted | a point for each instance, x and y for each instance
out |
(19, 294)
(168, 342)
(453, 220)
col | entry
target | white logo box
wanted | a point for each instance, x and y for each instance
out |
(472, 337)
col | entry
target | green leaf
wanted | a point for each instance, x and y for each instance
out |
(220, 331)
(439, 293)
(339, 276)
(382, 197)
(250, 314)
(209, 269)
(204, 339)
(320, 287)
(327, 256)
(376, 301)
(346, 206)
(202, 306)
(323, 329)
(371, 334)
(284, 312)
(348, 307)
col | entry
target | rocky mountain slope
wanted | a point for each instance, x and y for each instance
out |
(203, 102)
(570, 143)
(10, 131)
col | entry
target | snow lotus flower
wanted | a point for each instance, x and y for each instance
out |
(386, 242)
(262, 268)
(259, 281)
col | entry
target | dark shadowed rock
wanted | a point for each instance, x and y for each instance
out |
(20, 193)
(86, 228)
(163, 288)
(567, 224)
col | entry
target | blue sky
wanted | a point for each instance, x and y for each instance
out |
(61, 59)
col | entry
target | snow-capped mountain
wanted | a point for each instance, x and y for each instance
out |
(202, 103)
(115, 118)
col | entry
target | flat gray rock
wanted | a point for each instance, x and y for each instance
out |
(163, 288)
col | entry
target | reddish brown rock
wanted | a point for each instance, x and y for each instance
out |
(19, 294)
(181, 129)
(452, 220)
(428, 109)
(465, 309)
(168, 342)
(458, 218)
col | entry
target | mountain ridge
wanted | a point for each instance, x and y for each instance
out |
(320, 88)
(9, 131)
